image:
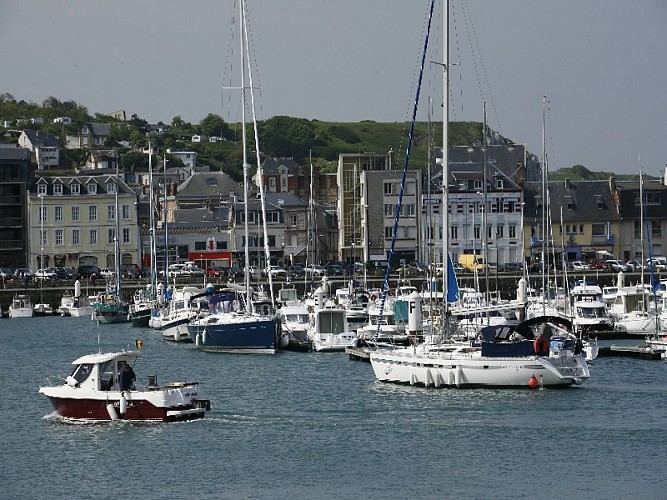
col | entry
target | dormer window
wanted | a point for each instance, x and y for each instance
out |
(92, 188)
(499, 184)
(75, 188)
(58, 189)
(599, 202)
(111, 187)
(41, 189)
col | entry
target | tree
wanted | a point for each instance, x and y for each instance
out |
(213, 125)
(286, 136)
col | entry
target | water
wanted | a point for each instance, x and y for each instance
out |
(316, 425)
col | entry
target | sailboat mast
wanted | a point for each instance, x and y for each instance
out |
(117, 238)
(485, 216)
(151, 210)
(245, 153)
(445, 158)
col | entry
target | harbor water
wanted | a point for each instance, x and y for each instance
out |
(318, 426)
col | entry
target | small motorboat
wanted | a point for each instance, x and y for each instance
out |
(93, 392)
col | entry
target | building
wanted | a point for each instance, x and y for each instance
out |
(14, 226)
(45, 148)
(74, 219)
(91, 135)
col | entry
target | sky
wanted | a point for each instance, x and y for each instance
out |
(601, 64)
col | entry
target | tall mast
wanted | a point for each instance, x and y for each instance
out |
(245, 154)
(152, 222)
(485, 216)
(445, 157)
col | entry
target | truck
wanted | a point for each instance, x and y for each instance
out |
(472, 262)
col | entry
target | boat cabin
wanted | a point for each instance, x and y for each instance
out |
(101, 372)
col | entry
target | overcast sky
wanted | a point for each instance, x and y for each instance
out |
(602, 64)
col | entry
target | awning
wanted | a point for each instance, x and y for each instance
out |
(295, 250)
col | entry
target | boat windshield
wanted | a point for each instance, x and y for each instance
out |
(106, 375)
(82, 372)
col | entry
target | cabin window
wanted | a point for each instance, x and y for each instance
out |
(82, 372)
(106, 376)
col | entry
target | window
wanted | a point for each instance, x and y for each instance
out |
(43, 214)
(500, 230)
(76, 237)
(638, 229)
(455, 232)
(459, 208)
(58, 189)
(92, 213)
(477, 232)
(58, 236)
(126, 212)
(112, 235)
(388, 188)
(500, 184)
(477, 185)
(93, 236)
(273, 217)
(111, 187)
(409, 210)
(76, 214)
(652, 198)
(272, 184)
(388, 232)
(92, 188)
(200, 245)
(656, 231)
(489, 230)
(41, 189)
(58, 214)
(43, 239)
(75, 188)
(111, 212)
(388, 210)
(569, 203)
(598, 229)
(599, 202)
(126, 235)
(581, 229)
(293, 220)
(511, 230)
(283, 184)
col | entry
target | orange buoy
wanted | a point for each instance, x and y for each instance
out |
(533, 382)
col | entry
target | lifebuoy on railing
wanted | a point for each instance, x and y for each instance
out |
(540, 345)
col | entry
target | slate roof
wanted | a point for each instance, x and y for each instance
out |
(83, 181)
(209, 185)
(655, 194)
(580, 201)
(41, 139)
(13, 154)
(284, 200)
(270, 166)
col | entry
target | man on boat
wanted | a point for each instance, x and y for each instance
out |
(127, 377)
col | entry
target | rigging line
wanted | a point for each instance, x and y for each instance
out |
(267, 251)
(385, 286)
(476, 50)
(452, 15)
(550, 129)
(252, 53)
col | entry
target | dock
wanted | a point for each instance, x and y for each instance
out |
(638, 351)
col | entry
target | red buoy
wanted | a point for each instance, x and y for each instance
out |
(533, 382)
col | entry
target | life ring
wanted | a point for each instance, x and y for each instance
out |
(373, 297)
(540, 345)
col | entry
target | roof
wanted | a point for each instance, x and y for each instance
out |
(38, 138)
(209, 185)
(579, 201)
(284, 200)
(270, 166)
(106, 356)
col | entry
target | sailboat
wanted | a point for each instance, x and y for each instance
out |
(141, 308)
(238, 321)
(504, 356)
(111, 308)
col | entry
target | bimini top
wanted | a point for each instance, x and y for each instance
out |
(105, 356)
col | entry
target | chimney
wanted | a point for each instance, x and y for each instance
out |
(567, 183)
(612, 183)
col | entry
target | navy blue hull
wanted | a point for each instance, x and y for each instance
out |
(240, 337)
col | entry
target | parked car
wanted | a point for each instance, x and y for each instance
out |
(334, 269)
(616, 265)
(107, 273)
(6, 273)
(579, 265)
(512, 267)
(235, 272)
(86, 270)
(216, 272)
(659, 263)
(315, 271)
(22, 272)
(595, 264)
(46, 274)
(276, 272)
(296, 271)
(192, 271)
(635, 265)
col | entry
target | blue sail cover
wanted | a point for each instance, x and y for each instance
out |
(452, 284)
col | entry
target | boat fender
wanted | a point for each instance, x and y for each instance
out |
(198, 339)
(177, 335)
(540, 346)
(203, 338)
(112, 412)
(123, 404)
(72, 382)
(533, 382)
